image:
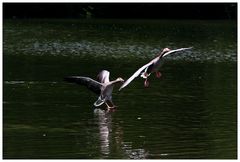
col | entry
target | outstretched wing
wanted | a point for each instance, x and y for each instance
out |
(86, 81)
(136, 74)
(103, 76)
(173, 51)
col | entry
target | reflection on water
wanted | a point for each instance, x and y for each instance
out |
(104, 130)
(189, 113)
(107, 136)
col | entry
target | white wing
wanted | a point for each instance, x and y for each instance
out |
(103, 76)
(136, 74)
(177, 50)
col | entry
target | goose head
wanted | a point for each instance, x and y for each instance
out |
(165, 50)
(119, 79)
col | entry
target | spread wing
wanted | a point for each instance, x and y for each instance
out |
(103, 76)
(86, 81)
(136, 74)
(177, 50)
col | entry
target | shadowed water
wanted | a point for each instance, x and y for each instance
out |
(190, 112)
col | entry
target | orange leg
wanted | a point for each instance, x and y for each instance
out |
(158, 74)
(110, 104)
(146, 83)
(108, 107)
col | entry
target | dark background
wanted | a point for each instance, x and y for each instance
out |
(121, 10)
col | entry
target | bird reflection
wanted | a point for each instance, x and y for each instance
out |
(104, 124)
(111, 141)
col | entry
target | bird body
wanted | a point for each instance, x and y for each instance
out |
(155, 65)
(103, 87)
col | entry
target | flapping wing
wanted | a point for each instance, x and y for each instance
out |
(86, 81)
(136, 74)
(177, 50)
(103, 76)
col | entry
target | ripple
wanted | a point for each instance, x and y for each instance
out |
(29, 82)
(14, 82)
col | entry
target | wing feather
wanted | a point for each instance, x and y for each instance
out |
(177, 50)
(136, 74)
(86, 81)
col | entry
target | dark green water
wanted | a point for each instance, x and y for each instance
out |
(189, 113)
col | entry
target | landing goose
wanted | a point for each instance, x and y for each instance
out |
(103, 87)
(151, 67)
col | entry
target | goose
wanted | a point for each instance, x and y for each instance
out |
(151, 67)
(103, 87)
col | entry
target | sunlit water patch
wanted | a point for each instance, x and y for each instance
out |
(211, 40)
(122, 50)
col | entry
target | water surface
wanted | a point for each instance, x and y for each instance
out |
(189, 113)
